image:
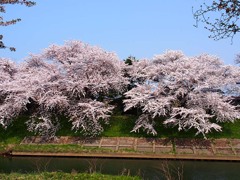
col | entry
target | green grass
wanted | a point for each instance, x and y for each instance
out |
(229, 130)
(122, 125)
(15, 132)
(64, 176)
(119, 126)
(73, 148)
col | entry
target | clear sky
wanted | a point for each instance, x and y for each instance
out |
(141, 28)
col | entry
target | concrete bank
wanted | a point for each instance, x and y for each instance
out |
(129, 156)
(145, 148)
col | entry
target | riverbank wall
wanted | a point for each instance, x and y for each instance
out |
(144, 148)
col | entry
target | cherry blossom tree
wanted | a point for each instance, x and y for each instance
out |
(29, 85)
(77, 80)
(7, 71)
(90, 74)
(71, 80)
(190, 92)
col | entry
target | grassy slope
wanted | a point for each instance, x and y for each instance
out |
(122, 125)
(61, 175)
(119, 126)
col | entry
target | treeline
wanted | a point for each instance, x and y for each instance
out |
(80, 82)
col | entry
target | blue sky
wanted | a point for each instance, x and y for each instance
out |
(127, 27)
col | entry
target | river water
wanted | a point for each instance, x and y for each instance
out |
(147, 169)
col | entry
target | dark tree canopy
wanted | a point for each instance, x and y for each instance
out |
(221, 18)
(12, 21)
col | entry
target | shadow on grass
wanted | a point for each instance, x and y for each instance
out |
(15, 132)
(122, 125)
(229, 130)
(119, 126)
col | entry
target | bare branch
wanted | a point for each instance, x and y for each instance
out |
(220, 17)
